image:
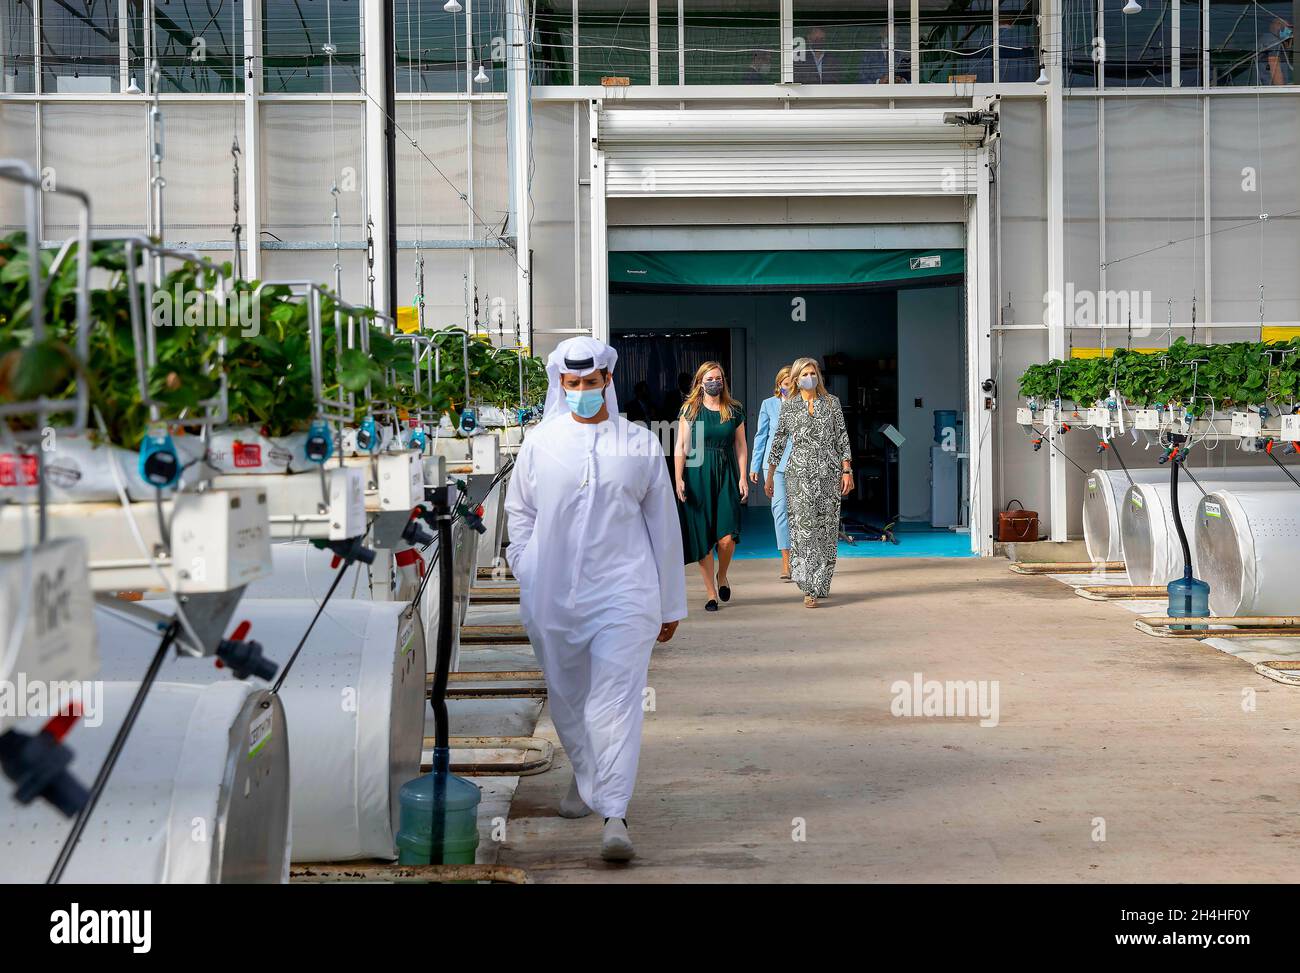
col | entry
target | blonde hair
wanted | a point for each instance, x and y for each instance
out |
(781, 376)
(726, 404)
(797, 368)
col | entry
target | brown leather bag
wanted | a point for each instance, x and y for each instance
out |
(1017, 525)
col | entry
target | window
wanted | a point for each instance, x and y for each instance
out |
(1017, 41)
(552, 48)
(1251, 43)
(613, 40)
(435, 54)
(956, 40)
(199, 45)
(17, 63)
(1189, 43)
(841, 46)
(1137, 45)
(1081, 48)
(294, 36)
(80, 46)
(733, 42)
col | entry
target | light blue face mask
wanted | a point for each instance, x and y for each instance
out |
(586, 403)
(1284, 34)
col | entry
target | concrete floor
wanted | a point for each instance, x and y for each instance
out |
(768, 714)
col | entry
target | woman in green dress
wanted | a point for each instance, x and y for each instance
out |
(710, 459)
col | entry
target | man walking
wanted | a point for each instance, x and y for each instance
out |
(596, 546)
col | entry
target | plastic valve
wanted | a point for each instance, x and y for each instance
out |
(38, 764)
(244, 657)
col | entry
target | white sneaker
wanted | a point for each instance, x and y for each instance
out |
(615, 844)
(571, 805)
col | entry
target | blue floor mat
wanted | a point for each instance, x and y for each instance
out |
(758, 540)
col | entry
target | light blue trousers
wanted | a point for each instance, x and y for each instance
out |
(780, 513)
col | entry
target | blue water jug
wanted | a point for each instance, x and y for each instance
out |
(421, 807)
(1189, 598)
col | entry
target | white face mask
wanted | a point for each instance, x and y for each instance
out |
(807, 382)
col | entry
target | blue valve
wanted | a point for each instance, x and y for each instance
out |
(320, 444)
(159, 466)
(368, 436)
(418, 439)
(468, 421)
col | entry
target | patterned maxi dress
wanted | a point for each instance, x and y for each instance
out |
(812, 485)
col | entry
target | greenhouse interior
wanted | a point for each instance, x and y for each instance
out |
(611, 317)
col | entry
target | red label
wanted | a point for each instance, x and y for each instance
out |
(247, 454)
(17, 470)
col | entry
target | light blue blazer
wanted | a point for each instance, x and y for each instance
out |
(768, 415)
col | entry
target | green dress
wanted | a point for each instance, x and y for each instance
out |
(712, 507)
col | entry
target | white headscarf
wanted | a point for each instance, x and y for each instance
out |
(578, 356)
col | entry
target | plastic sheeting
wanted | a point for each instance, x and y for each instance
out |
(1152, 554)
(200, 793)
(354, 703)
(1248, 549)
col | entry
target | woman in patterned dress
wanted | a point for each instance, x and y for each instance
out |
(818, 473)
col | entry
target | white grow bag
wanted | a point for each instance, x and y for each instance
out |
(1152, 554)
(200, 793)
(302, 571)
(1102, 492)
(354, 702)
(1248, 549)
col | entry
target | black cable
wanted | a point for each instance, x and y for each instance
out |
(1195, 480)
(1283, 467)
(338, 576)
(114, 751)
(1122, 465)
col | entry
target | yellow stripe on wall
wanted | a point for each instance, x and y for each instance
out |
(1279, 333)
(1108, 352)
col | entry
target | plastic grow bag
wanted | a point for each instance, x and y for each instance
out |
(200, 793)
(1248, 550)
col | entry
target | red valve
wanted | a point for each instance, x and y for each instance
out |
(241, 631)
(59, 726)
(335, 561)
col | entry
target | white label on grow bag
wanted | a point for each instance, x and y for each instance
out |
(1147, 419)
(406, 640)
(929, 262)
(1137, 501)
(1245, 424)
(1092, 484)
(260, 731)
(1213, 509)
(1025, 417)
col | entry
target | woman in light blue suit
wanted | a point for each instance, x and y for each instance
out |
(767, 419)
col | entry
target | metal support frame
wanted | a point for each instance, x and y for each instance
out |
(1055, 310)
(519, 149)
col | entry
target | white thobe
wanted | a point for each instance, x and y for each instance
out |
(596, 546)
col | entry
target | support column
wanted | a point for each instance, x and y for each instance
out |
(517, 109)
(599, 252)
(979, 358)
(1055, 308)
(250, 163)
(376, 81)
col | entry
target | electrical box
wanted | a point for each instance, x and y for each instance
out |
(1291, 428)
(1147, 419)
(220, 540)
(347, 503)
(1099, 418)
(1245, 424)
(486, 453)
(401, 481)
(1025, 417)
(47, 608)
(1049, 415)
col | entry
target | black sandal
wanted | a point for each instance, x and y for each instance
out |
(724, 592)
(710, 605)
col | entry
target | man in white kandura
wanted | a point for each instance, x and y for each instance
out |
(597, 548)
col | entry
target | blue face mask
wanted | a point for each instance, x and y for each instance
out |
(586, 403)
(1284, 34)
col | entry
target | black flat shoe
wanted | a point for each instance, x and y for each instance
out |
(724, 592)
(710, 605)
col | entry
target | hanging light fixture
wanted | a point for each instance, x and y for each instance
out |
(133, 88)
(1042, 75)
(481, 76)
(1132, 7)
(452, 7)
